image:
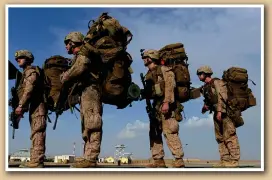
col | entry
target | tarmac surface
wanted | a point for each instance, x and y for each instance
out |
(187, 165)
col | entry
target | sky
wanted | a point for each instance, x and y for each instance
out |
(218, 37)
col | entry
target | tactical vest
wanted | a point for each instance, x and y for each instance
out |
(37, 93)
(210, 96)
(155, 83)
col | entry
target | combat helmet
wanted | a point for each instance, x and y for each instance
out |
(204, 69)
(24, 54)
(151, 53)
(75, 36)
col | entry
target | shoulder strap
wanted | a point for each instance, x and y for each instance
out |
(147, 75)
(212, 81)
(160, 71)
(163, 69)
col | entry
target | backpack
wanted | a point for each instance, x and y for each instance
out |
(53, 67)
(174, 55)
(240, 96)
(106, 41)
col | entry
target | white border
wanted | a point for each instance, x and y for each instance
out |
(137, 6)
(7, 89)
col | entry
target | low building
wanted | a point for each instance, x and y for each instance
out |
(20, 156)
(64, 159)
(124, 160)
(101, 160)
(109, 160)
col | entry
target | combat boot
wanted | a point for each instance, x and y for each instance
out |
(178, 163)
(222, 164)
(232, 164)
(32, 165)
(84, 164)
(158, 163)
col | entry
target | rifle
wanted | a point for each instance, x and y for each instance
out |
(149, 109)
(59, 107)
(61, 104)
(14, 101)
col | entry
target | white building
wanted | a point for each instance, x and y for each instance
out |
(64, 158)
(101, 160)
(20, 156)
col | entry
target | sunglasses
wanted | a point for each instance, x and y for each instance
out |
(19, 58)
(67, 42)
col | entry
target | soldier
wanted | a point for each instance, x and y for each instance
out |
(86, 72)
(215, 94)
(30, 93)
(160, 85)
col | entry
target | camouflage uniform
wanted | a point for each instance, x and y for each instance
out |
(161, 83)
(30, 93)
(83, 70)
(215, 93)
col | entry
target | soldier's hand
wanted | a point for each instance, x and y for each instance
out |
(218, 116)
(205, 108)
(19, 111)
(165, 108)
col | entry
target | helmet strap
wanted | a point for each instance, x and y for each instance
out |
(72, 45)
(148, 63)
(206, 76)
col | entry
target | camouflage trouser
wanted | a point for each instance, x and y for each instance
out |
(38, 136)
(169, 126)
(91, 120)
(226, 137)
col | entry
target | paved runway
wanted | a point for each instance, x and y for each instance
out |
(191, 165)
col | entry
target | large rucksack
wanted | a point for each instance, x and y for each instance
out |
(174, 55)
(53, 67)
(107, 41)
(240, 96)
